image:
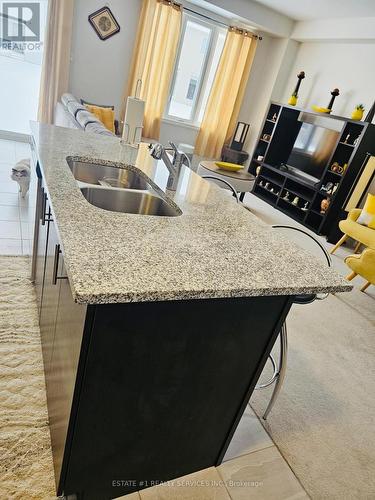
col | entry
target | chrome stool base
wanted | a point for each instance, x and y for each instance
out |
(279, 370)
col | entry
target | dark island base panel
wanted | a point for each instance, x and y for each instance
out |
(164, 387)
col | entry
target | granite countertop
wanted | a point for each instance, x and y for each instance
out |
(216, 248)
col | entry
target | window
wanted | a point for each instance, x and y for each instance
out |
(200, 49)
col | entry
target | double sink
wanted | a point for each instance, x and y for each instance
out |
(119, 189)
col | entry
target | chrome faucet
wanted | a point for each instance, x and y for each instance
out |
(159, 152)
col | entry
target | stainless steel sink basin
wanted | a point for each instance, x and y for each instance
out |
(97, 174)
(128, 201)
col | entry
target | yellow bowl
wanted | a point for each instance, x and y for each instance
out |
(320, 109)
(233, 167)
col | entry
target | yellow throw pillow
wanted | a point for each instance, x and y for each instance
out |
(105, 115)
(367, 217)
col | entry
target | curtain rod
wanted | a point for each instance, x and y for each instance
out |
(215, 21)
(209, 18)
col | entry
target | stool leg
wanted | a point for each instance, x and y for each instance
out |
(339, 243)
(365, 286)
(351, 276)
(242, 196)
(282, 369)
(357, 247)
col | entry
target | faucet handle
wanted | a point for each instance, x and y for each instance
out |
(174, 147)
(177, 154)
(156, 150)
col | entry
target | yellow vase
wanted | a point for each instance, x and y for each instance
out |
(292, 100)
(357, 114)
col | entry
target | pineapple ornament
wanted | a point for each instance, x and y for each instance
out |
(358, 112)
(293, 98)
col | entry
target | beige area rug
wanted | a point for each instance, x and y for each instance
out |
(324, 420)
(26, 470)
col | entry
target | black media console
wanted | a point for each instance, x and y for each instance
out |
(275, 143)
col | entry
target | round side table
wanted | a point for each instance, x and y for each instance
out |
(242, 181)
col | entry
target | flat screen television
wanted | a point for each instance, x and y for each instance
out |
(311, 151)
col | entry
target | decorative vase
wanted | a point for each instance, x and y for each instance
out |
(334, 94)
(358, 112)
(328, 109)
(324, 205)
(295, 201)
(336, 167)
(294, 97)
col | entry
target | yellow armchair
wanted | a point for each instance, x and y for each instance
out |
(362, 234)
(362, 265)
(354, 214)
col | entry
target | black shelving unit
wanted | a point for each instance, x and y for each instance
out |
(281, 126)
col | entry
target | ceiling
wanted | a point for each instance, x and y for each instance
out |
(305, 10)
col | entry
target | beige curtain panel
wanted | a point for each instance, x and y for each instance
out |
(56, 57)
(227, 93)
(153, 60)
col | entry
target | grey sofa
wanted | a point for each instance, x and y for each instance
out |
(72, 114)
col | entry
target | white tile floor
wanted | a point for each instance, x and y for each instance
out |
(253, 468)
(15, 212)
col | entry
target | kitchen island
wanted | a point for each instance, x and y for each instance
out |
(154, 328)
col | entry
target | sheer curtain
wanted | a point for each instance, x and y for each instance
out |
(153, 60)
(227, 93)
(56, 58)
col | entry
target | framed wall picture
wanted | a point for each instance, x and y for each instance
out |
(104, 23)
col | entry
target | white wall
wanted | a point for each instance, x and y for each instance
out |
(99, 69)
(344, 29)
(348, 66)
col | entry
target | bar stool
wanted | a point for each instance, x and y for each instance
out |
(279, 369)
(223, 181)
